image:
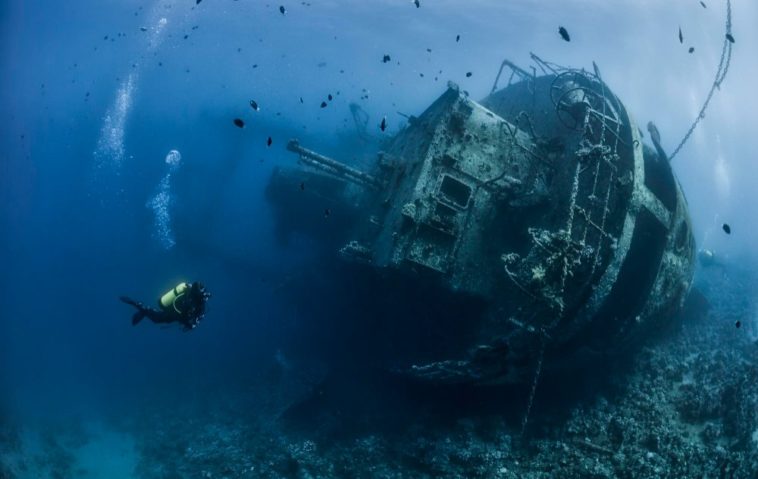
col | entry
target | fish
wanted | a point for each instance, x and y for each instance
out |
(327, 212)
(727, 229)
(417, 3)
(323, 104)
(730, 37)
(383, 124)
(143, 29)
(564, 34)
(269, 141)
(301, 100)
(197, 2)
(468, 74)
(386, 58)
(329, 97)
(302, 186)
(703, 4)
(681, 37)
(239, 123)
(691, 50)
(737, 324)
(457, 38)
(254, 105)
(282, 10)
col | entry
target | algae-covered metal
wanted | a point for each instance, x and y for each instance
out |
(542, 201)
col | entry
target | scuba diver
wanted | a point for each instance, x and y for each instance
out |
(183, 304)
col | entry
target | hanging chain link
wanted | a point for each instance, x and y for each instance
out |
(726, 56)
(533, 390)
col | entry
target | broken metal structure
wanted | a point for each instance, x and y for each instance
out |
(541, 201)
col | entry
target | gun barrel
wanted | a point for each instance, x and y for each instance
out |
(333, 167)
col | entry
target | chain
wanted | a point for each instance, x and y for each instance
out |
(533, 390)
(726, 56)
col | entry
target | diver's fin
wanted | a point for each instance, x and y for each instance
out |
(138, 316)
(128, 300)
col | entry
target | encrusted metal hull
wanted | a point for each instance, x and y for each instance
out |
(541, 202)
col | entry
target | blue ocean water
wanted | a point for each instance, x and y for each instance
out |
(122, 173)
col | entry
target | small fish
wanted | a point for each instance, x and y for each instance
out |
(429, 50)
(239, 123)
(143, 29)
(730, 37)
(383, 124)
(417, 3)
(327, 212)
(254, 105)
(703, 4)
(323, 104)
(468, 74)
(386, 58)
(302, 186)
(727, 229)
(269, 141)
(691, 50)
(329, 97)
(186, 37)
(282, 10)
(737, 324)
(564, 34)
(301, 99)
(457, 38)
(681, 37)
(197, 2)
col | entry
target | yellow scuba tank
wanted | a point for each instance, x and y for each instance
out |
(168, 300)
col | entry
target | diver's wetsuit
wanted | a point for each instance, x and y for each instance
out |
(187, 309)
